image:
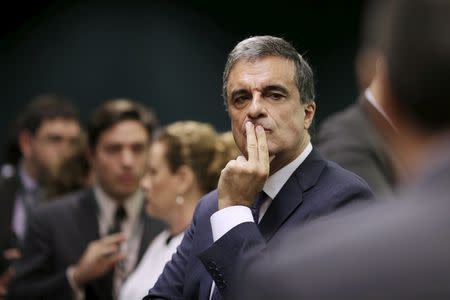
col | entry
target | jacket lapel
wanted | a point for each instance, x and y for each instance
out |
(291, 195)
(87, 216)
(89, 231)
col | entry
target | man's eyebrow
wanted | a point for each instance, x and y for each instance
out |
(275, 87)
(238, 92)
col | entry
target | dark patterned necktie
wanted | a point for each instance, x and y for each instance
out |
(255, 208)
(120, 273)
(119, 217)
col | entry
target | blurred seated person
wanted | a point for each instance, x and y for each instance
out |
(184, 162)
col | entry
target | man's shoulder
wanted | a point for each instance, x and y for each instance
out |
(337, 174)
(68, 202)
(207, 205)
(323, 172)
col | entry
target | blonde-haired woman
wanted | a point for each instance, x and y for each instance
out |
(185, 162)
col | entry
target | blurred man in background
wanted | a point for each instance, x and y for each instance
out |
(85, 244)
(46, 133)
(400, 249)
(353, 137)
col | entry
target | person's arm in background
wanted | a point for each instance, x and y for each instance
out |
(34, 274)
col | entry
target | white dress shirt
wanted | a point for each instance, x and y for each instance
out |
(158, 253)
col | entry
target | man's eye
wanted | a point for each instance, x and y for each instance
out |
(240, 99)
(112, 149)
(54, 139)
(275, 96)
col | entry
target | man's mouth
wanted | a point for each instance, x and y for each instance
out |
(266, 130)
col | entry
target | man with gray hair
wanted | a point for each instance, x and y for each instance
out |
(278, 183)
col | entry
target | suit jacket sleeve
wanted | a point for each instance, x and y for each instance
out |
(35, 277)
(232, 252)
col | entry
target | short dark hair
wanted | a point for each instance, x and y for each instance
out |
(45, 107)
(115, 111)
(261, 46)
(417, 50)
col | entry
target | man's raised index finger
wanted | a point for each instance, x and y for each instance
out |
(263, 152)
(252, 144)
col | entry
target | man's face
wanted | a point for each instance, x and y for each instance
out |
(54, 141)
(264, 92)
(119, 158)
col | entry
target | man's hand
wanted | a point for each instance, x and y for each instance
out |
(99, 257)
(9, 255)
(242, 179)
(5, 279)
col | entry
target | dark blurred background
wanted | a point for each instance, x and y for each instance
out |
(167, 54)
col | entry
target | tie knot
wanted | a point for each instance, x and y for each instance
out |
(119, 216)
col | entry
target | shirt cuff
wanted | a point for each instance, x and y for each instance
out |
(225, 219)
(78, 293)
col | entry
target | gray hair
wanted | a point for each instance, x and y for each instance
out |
(261, 46)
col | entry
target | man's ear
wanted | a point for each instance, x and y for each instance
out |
(185, 179)
(310, 110)
(389, 103)
(25, 139)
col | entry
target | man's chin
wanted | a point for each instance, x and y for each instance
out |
(125, 193)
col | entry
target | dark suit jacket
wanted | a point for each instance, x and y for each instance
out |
(351, 139)
(59, 233)
(397, 249)
(8, 191)
(315, 188)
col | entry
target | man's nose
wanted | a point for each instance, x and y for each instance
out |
(256, 108)
(66, 148)
(127, 158)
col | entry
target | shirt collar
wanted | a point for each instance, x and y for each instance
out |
(371, 98)
(107, 205)
(28, 182)
(276, 181)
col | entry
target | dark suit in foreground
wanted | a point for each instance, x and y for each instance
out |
(58, 235)
(315, 188)
(399, 249)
